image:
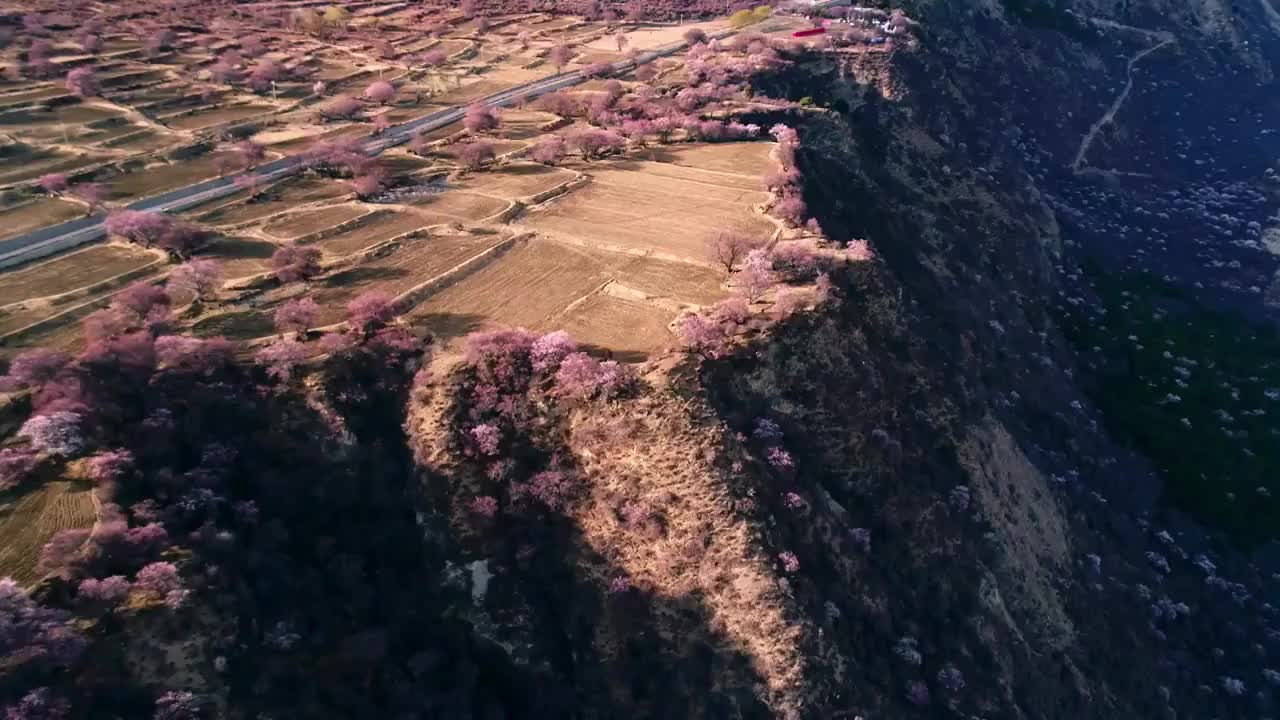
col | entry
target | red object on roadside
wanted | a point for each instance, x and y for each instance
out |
(807, 33)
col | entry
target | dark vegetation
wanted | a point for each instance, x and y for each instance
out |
(1194, 389)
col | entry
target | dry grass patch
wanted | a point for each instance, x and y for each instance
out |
(240, 257)
(217, 116)
(415, 262)
(382, 228)
(285, 196)
(628, 328)
(677, 282)
(40, 213)
(458, 206)
(749, 159)
(530, 286)
(155, 179)
(305, 223)
(29, 520)
(646, 207)
(69, 272)
(517, 180)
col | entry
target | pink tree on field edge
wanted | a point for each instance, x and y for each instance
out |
(296, 316)
(251, 153)
(594, 143)
(91, 194)
(295, 262)
(380, 91)
(82, 83)
(730, 246)
(480, 118)
(548, 150)
(371, 310)
(198, 277)
(560, 56)
(54, 183)
(341, 108)
(281, 358)
(474, 155)
(253, 184)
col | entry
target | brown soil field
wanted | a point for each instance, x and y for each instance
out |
(500, 147)
(28, 521)
(630, 329)
(316, 133)
(285, 196)
(516, 180)
(237, 325)
(28, 96)
(382, 228)
(29, 166)
(528, 286)
(305, 223)
(155, 179)
(677, 282)
(417, 261)
(240, 257)
(649, 37)
(457, 206)
(750, 159)
(68, 272)
(198, 120)
(141, 141)
(37, 214)
(523, 124)
(490, 83)
(638, 206)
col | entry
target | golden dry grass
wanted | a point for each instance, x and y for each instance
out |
(654, 208)
(30, 519)
(69, 272)
(30, 216)
(653, 453)
(384, 227)
(307, 222)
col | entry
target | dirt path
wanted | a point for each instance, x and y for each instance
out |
(1110, 114)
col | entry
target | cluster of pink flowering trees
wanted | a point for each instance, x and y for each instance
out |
(152, 229)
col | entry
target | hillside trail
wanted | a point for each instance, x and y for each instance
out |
(1165, 38)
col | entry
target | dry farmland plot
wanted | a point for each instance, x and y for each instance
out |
(529, 286)
(69, 272)
(640, 207)
(629, 328)
(28, 521)
(523, 124)
(37, 214)
(240, 257)
(305, 223)
(649, 37)
(517, 180)
(155, 179)
(415, 262)
(285, 196)
(677, 282)
(384, 227)
(456, 206)
(203, 119)
(750, 159)
(28, 164)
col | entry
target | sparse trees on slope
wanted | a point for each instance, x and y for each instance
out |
(594, 143)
